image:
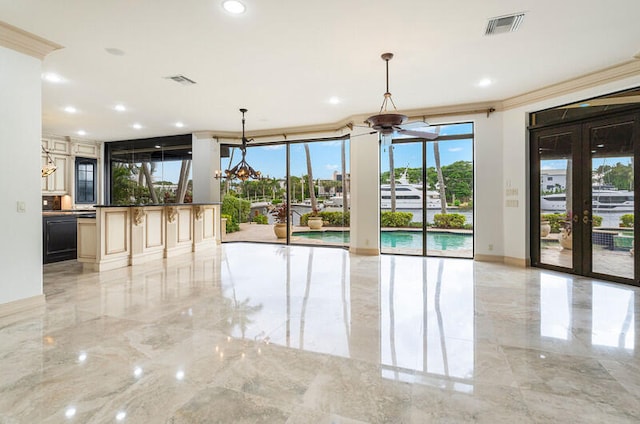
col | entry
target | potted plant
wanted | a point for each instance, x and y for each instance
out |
(566, 238)
(280, 214)
(314, 221)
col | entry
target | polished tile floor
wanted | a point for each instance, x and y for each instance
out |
(257, 333)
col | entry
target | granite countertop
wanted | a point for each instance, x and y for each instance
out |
(76, 212)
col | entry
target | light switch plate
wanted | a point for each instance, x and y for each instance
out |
(22, 206)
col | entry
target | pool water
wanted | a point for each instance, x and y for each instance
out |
(400, 239)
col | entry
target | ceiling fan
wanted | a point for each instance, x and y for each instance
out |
(389, 123)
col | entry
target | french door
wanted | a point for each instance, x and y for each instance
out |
(584, 183)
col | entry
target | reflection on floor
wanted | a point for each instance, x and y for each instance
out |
(605, 261)
(274, 334)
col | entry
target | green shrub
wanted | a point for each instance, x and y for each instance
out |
(597, 220)
(395, 219)
(626, 220)
(239, 209)
(449, 220)
(556, 220)
(331, 219)
(232, 225)
(261, 219)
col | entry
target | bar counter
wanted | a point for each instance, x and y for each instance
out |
(121, 236)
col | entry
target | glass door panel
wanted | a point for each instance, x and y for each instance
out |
(556, 198)
(250, 207)
(319, 193)
(612, 200)
(401, 198)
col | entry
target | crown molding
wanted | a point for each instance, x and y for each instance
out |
(603, 76)
(24, 42)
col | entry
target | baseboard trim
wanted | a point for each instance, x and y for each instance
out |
(519, 262)
(364, 252)
(488, 258)
(507, 260)
(21, 305)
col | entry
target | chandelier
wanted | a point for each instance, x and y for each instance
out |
(243, 171)
(50, 167)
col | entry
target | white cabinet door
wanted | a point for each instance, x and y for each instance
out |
(56, 183)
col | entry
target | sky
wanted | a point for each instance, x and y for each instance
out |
(326, 156)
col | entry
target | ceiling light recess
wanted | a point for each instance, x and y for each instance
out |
(502, 24)
(234, 6)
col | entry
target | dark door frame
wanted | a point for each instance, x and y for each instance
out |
(581, 172)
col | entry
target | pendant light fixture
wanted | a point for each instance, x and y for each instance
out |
(50, 167)
(243, 171)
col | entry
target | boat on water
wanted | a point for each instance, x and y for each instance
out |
(408, 196)
(603, 198)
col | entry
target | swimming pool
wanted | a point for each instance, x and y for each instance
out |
(400, 239)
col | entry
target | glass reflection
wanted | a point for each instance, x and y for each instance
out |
(555, 306)
(613, 318)
(427, 317)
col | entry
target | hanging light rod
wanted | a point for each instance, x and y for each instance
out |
(243, 171)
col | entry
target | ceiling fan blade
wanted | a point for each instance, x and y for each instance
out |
(429, 135)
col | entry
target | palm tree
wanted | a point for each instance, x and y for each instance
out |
(345, 186)
(147, 176)
(443, 198)
(312, 192)
(392, 179)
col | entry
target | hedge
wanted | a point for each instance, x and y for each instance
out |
(239, 209)
(332, 219)
(395, 219)
(232, 225)
(626, 220)
(449, 220)
(261, 219)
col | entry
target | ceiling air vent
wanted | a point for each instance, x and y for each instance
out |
(501, 24)
(181, 79)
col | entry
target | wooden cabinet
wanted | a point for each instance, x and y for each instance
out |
(58, 238)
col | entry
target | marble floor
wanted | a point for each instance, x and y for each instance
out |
(258, 333)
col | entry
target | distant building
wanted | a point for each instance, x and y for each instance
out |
(553, 180)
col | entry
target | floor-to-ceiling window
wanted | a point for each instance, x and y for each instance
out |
(149, 171)
(426, 194)
(301, 197)
(584, 182)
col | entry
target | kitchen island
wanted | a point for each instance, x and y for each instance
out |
(121, 236)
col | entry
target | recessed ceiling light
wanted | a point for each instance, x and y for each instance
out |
(157, 146)
(120, 108)
(51, 77)
(81, 132)
(137, 126)
(485, 82)
(70, 412)
(233, 6)
(334, 100)
(70, 109)
(121, 415)
(179, 124)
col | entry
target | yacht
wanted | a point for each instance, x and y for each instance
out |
(408, 196)
(603, 198)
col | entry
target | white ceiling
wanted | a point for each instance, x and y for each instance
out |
(284, 59)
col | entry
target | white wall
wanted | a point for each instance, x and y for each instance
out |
(205, 160)
(20, 132)
(364, 193)
(516, 161)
